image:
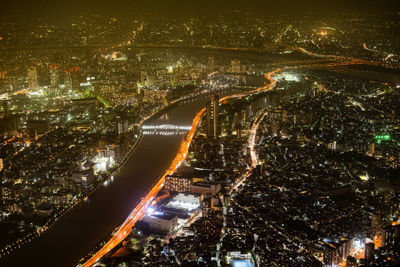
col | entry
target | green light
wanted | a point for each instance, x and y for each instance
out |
(384, 137)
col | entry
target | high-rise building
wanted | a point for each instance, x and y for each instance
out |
(122, 127)
(371, 151)
(32, 78)
(213, 127)
(176, 183)
(376, 221)
(284, 115)
(54, 76)
(5, 108)
(351, 262)
(236, 67)
(68, 81)
(369, 251)
(238, 124)
(210, 66)
(390, 235)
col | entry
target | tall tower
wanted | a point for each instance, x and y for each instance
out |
(213, 127)
(54, 76)
(32, 79)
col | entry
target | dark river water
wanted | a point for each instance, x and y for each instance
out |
(73, 236)
(88, 223)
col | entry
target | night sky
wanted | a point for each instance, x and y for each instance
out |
(62, 8)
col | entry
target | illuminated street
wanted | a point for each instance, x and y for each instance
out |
(200, 133)
(140, 210)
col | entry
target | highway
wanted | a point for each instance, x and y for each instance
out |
(89, 222)
(65, 243)
(140, 210)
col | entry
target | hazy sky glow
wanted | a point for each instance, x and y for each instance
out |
(29, 8)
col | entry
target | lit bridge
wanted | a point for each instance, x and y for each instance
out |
(165, 129)
(140, 210)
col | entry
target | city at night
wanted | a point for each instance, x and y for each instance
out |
(199, 133)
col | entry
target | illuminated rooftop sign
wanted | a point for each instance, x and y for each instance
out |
(384, 137)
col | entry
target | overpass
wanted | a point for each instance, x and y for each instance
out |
(140, 210)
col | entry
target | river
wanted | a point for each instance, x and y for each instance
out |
(89, 222)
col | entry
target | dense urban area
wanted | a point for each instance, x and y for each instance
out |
(290, 158)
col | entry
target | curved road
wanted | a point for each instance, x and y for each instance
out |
(88, 223)
(140, 210)
(74, 235)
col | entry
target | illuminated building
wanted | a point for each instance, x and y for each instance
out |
(376, 221)
(104, 159)
(5, 108)
(391, 235)
(332, 145)
(351, 262)
(236, 258)
(213, 128)
(236, 67)
(185, 201)
(210, 203)
(371, 149)
(207, 205)
(83, 177)
(122, 127)
(53, 76)
(161, 222)
(32, 79)
(178, 183)
(284, 115)
(145, 78)
(155, 96)
(210, 66)
(85, 104)
(335, 252)
(68, 81)
(206, 188)
(238, 124)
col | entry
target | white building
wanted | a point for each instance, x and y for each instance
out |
(185, 201)
(162, 223)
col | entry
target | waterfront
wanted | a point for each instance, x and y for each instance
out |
(89, 222)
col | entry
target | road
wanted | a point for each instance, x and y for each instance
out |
(140, 210)
(65, 243)
(89, 222)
